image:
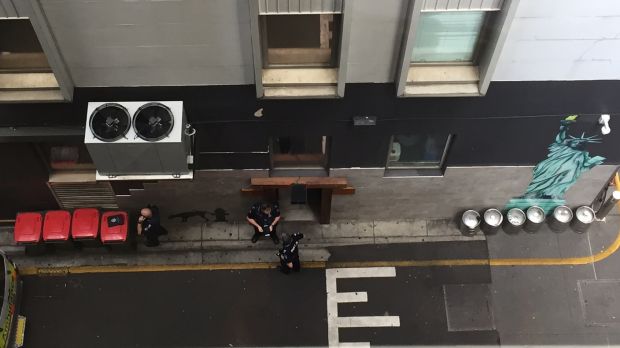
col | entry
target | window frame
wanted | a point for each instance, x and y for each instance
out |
(323, 165)
(493, 34)
(418, 171)
(32, 10)
(262, 20)
(346, 13)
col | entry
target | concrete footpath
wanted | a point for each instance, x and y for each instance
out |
(195, 242)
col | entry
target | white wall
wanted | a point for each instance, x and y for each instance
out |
(562, 40)
(153, 43)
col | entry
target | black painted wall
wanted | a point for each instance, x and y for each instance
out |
(512, 125)
(23, 181)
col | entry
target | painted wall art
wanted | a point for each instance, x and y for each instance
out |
(566, 161)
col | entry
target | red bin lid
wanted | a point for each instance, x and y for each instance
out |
(114, 226)
(56, 225)
(28, 227)
(85, 223)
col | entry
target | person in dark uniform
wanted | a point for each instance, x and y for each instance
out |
(149, 224)
(264, 217)
(289, 254)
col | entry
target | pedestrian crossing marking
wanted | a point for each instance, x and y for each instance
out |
(334, 322)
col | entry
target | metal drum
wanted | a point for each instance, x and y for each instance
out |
(584, 217)
(492, 221)
(561, 218)
(515, 218)
(535, 218)
(470, 223)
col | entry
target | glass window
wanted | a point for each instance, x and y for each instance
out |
(69, 157)
(447, 36)
(299, 152)
(20, 49)
(417, 151)
(304, 40)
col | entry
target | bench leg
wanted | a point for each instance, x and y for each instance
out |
(326, 206)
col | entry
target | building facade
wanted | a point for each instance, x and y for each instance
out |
(426, 107)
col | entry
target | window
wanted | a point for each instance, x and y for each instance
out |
(417, 154)
(304, 152)
(66, 157)
(26, 73)
(451, 48)
(20, 50)
(447, 36)
(300, 40)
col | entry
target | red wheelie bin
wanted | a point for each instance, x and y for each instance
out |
(27, 232)
(57, 228)
(85, 227)
(115, 234)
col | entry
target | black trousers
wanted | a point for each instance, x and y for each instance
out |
(273, 234)
(152, 237)
(296, 265)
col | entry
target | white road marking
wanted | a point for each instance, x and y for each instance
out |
(334, 297)
(374, 321)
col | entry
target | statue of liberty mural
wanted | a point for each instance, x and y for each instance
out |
(565, 163)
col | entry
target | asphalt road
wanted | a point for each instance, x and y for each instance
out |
(237, 308)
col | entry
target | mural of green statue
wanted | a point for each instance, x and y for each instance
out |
(565, 163)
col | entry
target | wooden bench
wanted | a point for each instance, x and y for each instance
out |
(267, 187)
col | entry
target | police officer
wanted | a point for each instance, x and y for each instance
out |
(289, 254)
(264, 217)
(149, 225)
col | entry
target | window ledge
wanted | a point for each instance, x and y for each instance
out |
(443, 74)
(412, 173)
(29, 87)
(443, 90)
(285, 92)
(300, 76)
(442, 81)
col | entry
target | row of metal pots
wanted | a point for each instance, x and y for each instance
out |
(529, 220)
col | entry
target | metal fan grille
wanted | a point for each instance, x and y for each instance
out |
(153, 121)
(109, 122)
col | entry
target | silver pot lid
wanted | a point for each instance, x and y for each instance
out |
(515, 216)
(563, 214)
(535, 214)
(585, 214)
(471, 218)
(493, 217)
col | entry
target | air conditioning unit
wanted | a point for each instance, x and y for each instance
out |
(137, 138)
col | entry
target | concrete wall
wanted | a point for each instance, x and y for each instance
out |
(207, 42)
(376, 198)
(376, 36)
(153, 43)
(562, 40)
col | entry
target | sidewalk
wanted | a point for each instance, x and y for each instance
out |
(195, 242)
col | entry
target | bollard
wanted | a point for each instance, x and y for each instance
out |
(470, 222)
(608, 205)
(492, 221)
(535, 218)
(515, 218)
(560, 219)
(584, 217)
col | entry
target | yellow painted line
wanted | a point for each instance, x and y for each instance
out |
(568, 261)
(322, 264)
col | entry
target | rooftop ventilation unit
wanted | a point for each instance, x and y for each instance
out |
(137, 138)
